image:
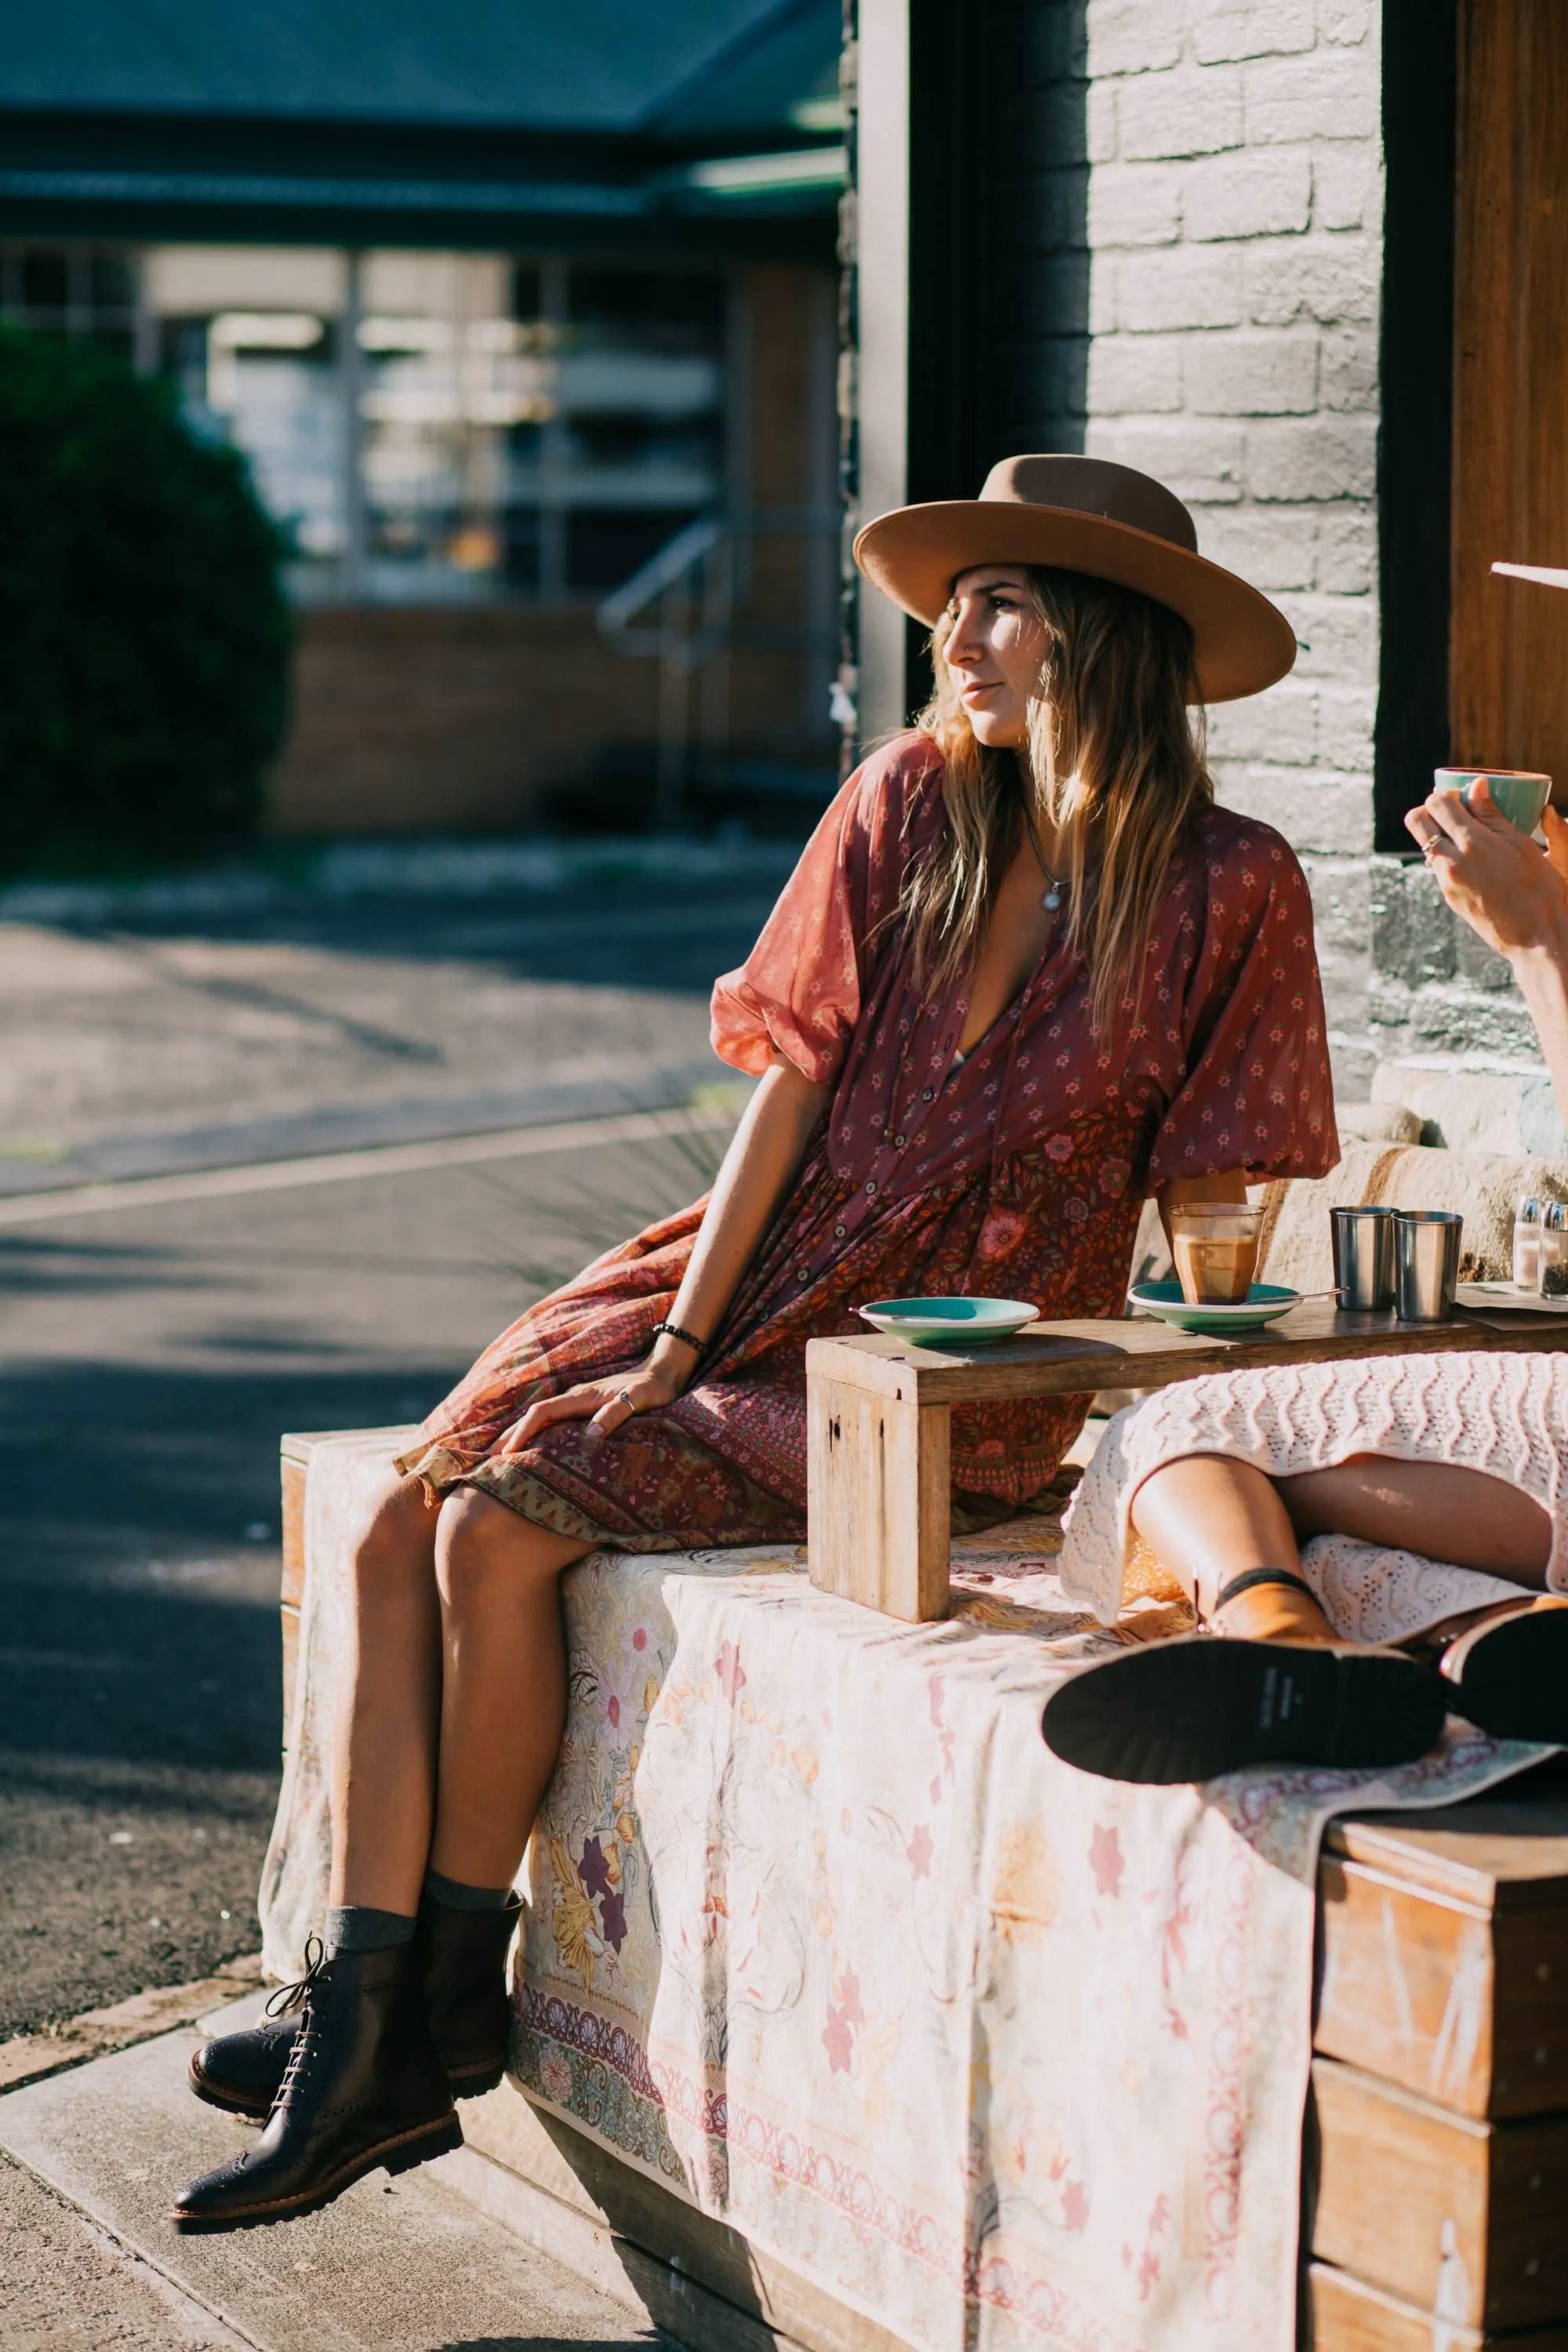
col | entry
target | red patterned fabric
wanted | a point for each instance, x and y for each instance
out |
(1018, 1172)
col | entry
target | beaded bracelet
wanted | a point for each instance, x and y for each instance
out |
(675, 1333)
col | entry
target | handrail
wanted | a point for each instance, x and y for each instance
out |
(678, 555)
(692, 586)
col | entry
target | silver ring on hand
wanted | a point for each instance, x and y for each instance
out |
(624, 1396)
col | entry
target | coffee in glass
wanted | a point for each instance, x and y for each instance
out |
(1215, 1246)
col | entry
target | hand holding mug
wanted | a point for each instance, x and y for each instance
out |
(1513, 897)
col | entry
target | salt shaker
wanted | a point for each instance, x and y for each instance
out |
(1553, 1279)
(1527, 1243)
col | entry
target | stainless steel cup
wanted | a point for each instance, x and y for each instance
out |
(1426, 1264)
(1364, 1257)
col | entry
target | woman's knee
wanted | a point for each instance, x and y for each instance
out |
(482, 1547)
(397, 1542)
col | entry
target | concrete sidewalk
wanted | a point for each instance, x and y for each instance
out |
(89, 2161)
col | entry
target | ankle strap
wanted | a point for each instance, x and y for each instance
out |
(1252, 1577)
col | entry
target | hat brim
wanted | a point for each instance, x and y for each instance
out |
(1243, 643)
(1545, 575)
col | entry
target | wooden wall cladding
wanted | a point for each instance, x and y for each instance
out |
(1509, 640)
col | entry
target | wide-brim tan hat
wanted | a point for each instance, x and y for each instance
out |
(1085, 514)
(1546, 574)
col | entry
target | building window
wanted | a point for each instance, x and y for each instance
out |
(437, 427)
(72, 290)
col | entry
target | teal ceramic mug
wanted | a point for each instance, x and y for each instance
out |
(1515, 792)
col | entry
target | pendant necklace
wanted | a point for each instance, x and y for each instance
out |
(1051, 899)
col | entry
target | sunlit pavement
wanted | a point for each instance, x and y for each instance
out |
(154, 1349)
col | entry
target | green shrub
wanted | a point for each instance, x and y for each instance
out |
(144, 637)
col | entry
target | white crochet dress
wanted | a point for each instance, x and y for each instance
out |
(1504, 1414)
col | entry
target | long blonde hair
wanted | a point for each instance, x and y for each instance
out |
(1115, 764)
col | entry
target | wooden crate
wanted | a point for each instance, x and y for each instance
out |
(1437, 2139)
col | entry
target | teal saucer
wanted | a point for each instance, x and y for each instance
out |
(949, 1322)
(1264, 1303)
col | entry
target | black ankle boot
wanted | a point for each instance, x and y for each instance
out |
(243, 2072)
(462, 1964)
(462, 1957)
(363, 2087)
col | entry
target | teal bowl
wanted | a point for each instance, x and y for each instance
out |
(949, 1322)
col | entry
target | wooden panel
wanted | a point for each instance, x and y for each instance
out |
(295, 1448)
(644, 2213)
(290, 1617)
(1452, 2214)
(294, 1485)
(877, 1486)
(1506, 1852)
(1345, 2314)
(1073, 1358)
(1469, 2007)
(1408, 1987)
(299, 1444)
(1508, 646)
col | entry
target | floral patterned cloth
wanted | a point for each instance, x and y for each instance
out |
(821, 1936)
(1019, 1172)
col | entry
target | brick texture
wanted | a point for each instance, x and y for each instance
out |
(1234, 234)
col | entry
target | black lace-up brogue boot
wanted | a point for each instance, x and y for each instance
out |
(462, 1959)
(364, 2088)
(462, 1968)
(243, 2072)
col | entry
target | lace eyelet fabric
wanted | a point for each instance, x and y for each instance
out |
(1504, 1415)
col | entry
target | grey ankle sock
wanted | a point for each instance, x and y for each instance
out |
(358, 1928)
(458, 1897)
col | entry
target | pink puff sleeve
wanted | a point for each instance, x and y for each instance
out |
(1256, 1093)
(799, 992)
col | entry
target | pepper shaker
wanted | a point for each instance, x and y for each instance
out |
(1554, 1277)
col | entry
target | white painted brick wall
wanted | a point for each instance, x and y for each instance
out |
(1235, 222)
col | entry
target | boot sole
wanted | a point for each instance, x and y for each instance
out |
(1191, 1708)
(475, 2081)
(403, 2154)
(1514, 1683)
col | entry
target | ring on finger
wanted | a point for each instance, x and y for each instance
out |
(624, 1396)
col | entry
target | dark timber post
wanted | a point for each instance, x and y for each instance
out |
(971, 268)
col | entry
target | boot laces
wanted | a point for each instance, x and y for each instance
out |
(307, 1996)
(295, 1996)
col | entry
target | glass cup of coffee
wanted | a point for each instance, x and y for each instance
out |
(1215, 1245)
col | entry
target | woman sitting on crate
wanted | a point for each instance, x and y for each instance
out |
(1417, 1500)
(1026, 974)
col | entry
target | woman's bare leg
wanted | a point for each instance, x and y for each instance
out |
(1465, 1516)
(504, 1683)
(1209, 1519)
(385, 1775)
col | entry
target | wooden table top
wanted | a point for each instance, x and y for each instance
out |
(1140, 1352)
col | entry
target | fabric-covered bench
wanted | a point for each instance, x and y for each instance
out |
(847, 2017)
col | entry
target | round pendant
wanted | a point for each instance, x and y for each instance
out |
(1051, 900)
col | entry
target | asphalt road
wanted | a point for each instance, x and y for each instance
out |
(152, 1350)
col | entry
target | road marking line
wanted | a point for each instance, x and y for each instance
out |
(346, 1167)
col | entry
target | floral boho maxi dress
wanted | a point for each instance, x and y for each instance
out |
(1019, 1172)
